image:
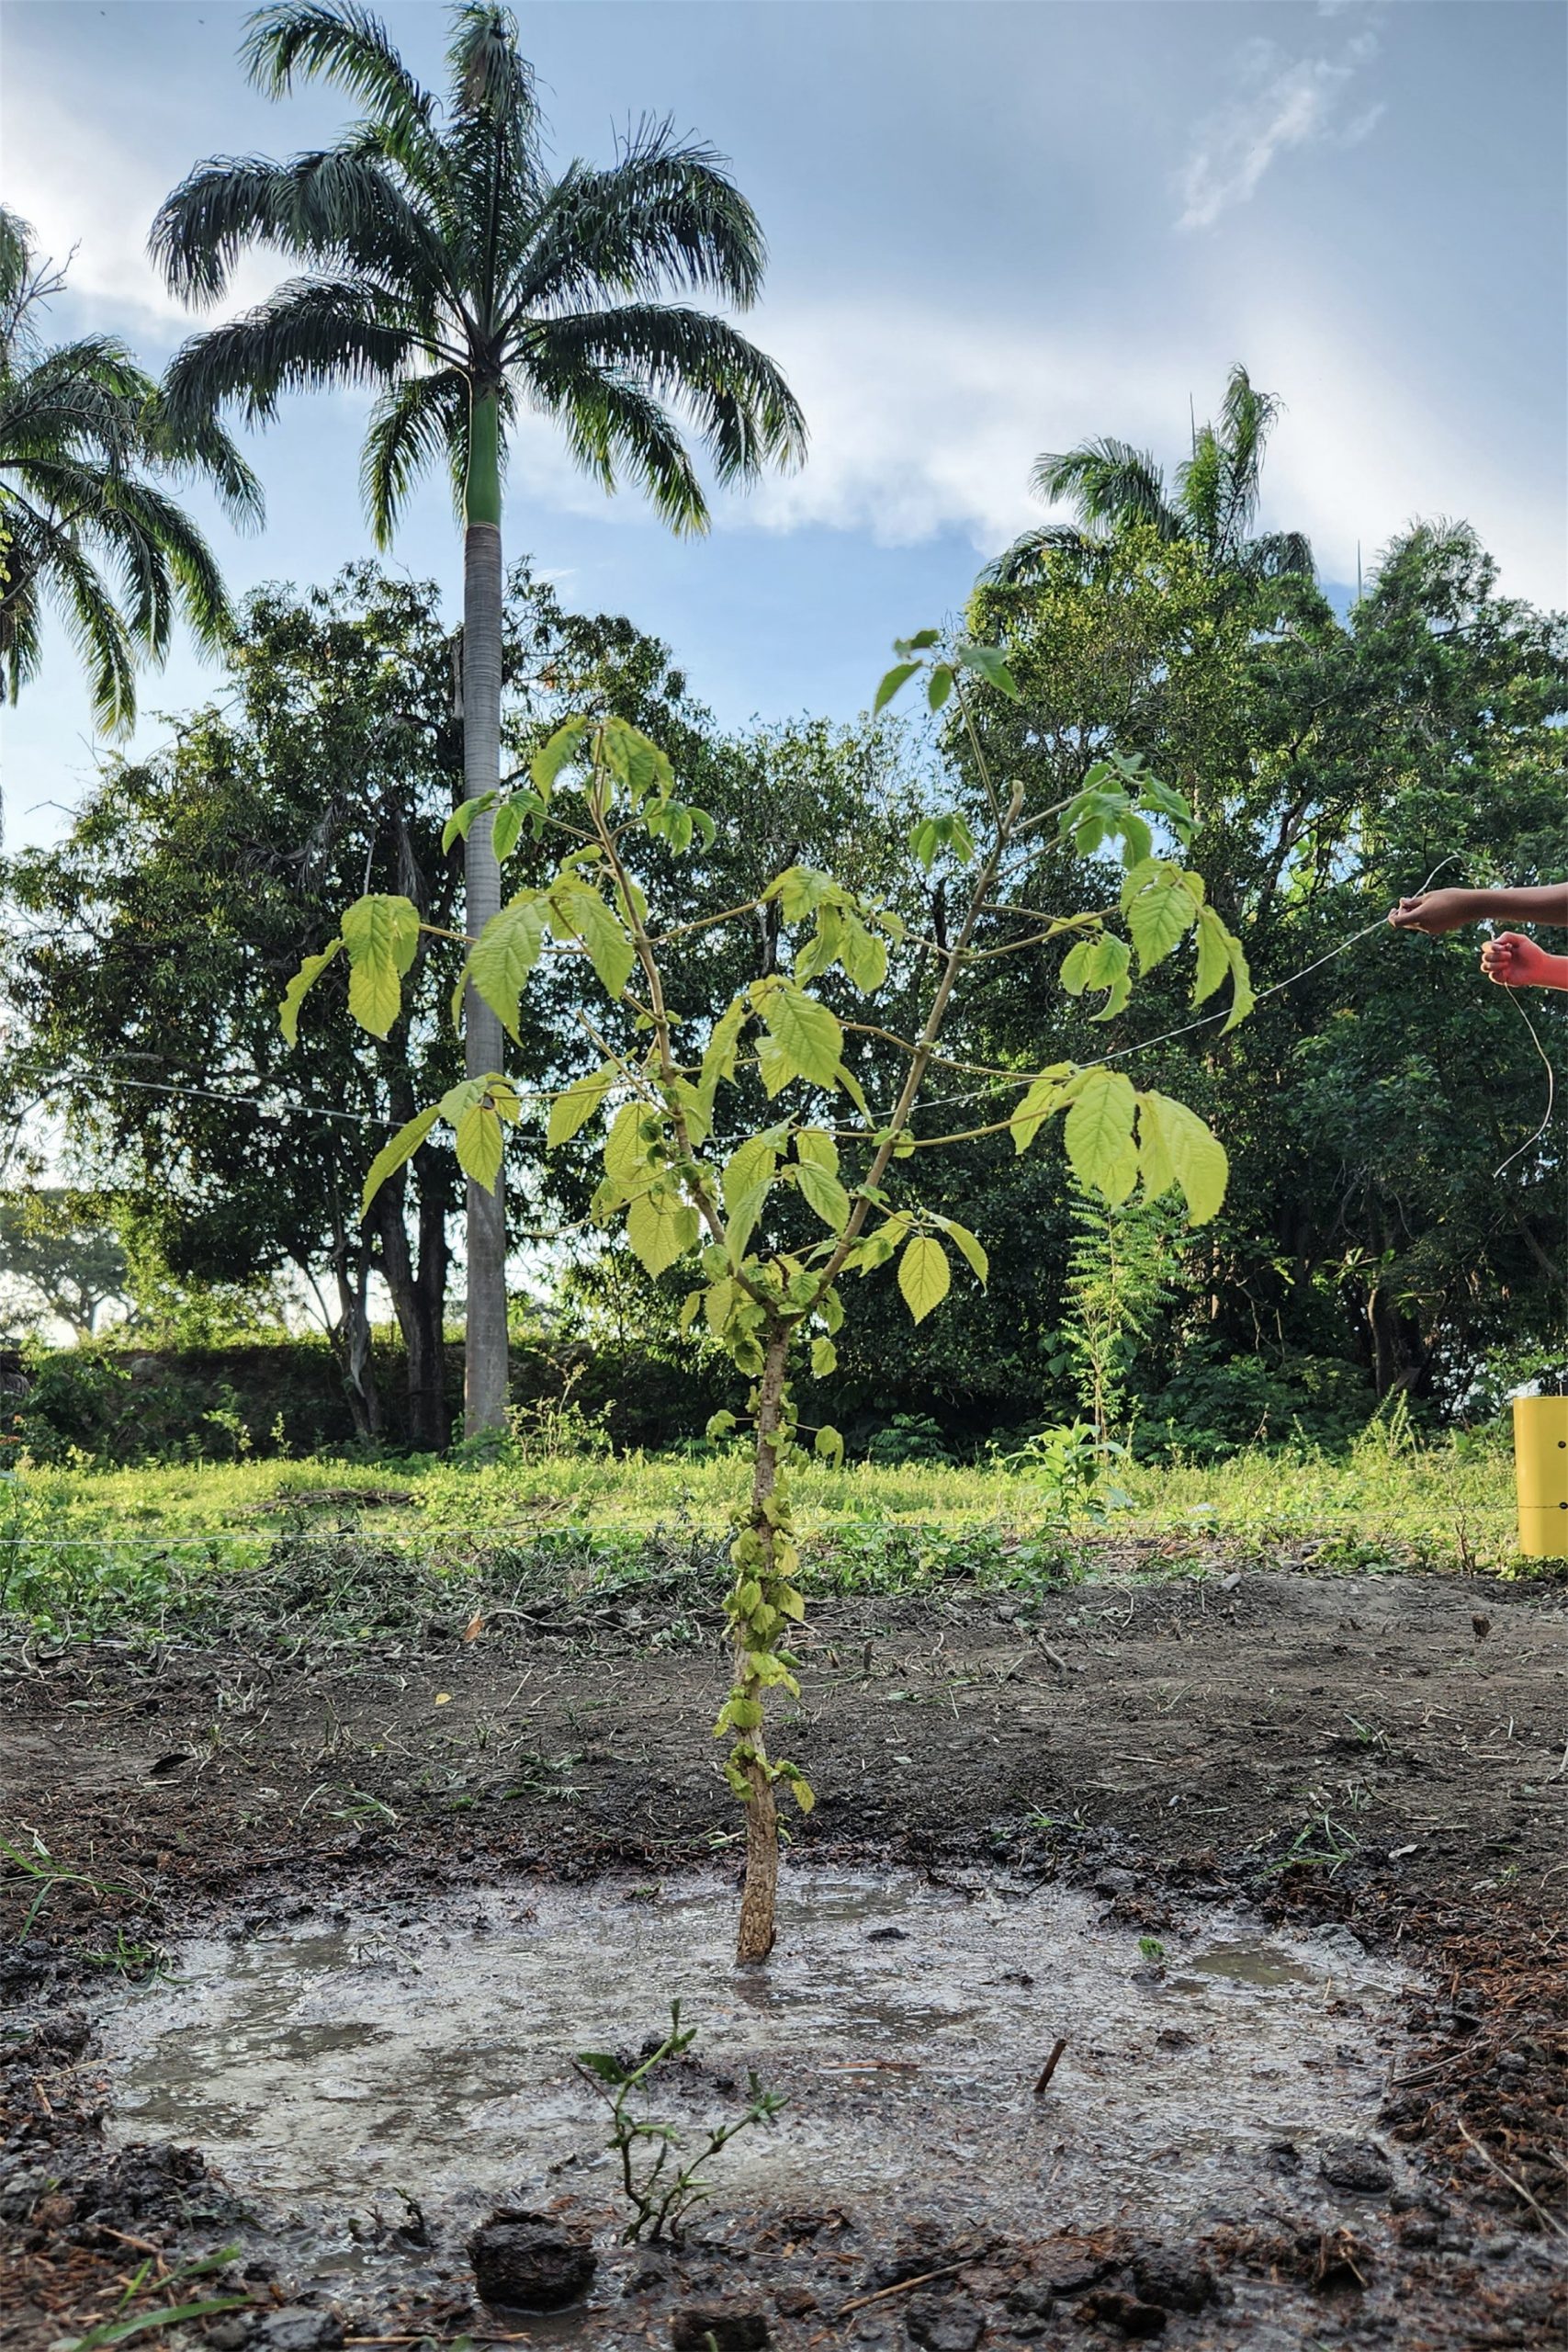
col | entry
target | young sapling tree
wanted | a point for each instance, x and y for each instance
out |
(772, 1074)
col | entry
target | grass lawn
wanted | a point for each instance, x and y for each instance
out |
(85, 1547)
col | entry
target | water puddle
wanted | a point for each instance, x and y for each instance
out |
(333, 2069)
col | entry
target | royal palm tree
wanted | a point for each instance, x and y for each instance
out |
(448, 265)
(85, 521)
(1213, 505)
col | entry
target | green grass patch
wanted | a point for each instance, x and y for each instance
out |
(343, 1549)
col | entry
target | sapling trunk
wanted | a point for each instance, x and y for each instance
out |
(759, 1903)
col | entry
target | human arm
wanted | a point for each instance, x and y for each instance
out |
(1516, 963)
(1437, 911)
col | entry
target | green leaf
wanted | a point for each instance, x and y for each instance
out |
(1196, 1154)
(830, 1445)
(480, 1144)
(823, 1192)
(461, 822)
(601, 2063)
(992, 666)
(753, 1163)
(381, 935)
(924, 1275)
(1108, 966)
(562, 747)
(1043, 1098)
(922, 642)
(1242, 996)
(504, 954)
(940, 685)
(718, 1059)
(824, 1358)
(309, 972)
(806, 1033)
(1155, 1168)
(924, 843)
(895, 678)
(1213, 954)
(582, 913)
(818, 1146)
(120, 2331)
(573, 1109)
(505, 831)
(660, 1230)
(973, 1254)
(719, 1425)
(391, 1156)
(1098, 1134)
(1159, 908)
(863, 958)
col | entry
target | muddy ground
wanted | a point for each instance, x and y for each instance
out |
(1388, 1752)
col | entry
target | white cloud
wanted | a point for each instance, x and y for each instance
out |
(1284, 103)
(91, 197)
(924, 422)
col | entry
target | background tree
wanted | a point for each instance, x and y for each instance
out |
(450, 268)
(88, 450)
(1213, 503)
(61, 1259)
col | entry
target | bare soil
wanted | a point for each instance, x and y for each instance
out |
(1387, 1752)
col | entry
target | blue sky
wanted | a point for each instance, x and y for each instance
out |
(995, 226)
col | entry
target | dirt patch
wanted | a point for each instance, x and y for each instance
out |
(1383, 1753)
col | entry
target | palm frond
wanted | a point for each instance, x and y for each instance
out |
(615, 427)
(490, 75)
(341, 43)
(736, 396)
(334, 207)
(1029, 558)
(309, 333)
(1280, 555)
(1108, 481)
(414, 424)
(665, 215)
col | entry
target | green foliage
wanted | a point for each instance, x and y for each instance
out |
(89, 455)
(662, 2191)
(662, 1092)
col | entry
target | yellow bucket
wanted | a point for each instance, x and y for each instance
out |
(1540, 1475)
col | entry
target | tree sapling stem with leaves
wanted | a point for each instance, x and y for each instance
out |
(768, 1074)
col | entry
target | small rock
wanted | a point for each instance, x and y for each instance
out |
(1112, 2307)
(1173, 2038)
(794, 2303)
(1287, 2156)
(1032, 2298)
(1177, 2281)
(530, 2262)
(730, 2329)
(1068, 2269)
(228, 2335)
(1340, 1942)
(1357, 2164)
(1114, 1883)
(887, 1935)
(1513, 2064)
(297, 2329)
(944, 2323)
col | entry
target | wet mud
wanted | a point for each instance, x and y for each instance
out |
(1276, 1858)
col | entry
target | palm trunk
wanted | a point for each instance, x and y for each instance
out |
(759, 1901)
(484, 1366)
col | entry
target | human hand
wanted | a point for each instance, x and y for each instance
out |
(1515, 962)
(1435, 912)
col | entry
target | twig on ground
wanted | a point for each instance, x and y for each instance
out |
(1050, 2066)
(900, 2287)
(1549, 2220)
